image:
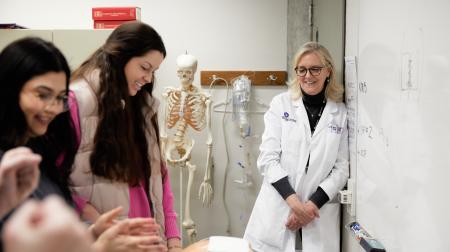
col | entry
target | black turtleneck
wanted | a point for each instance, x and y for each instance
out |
(314, 105)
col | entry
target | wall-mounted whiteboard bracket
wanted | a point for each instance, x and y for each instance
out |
(348, 197)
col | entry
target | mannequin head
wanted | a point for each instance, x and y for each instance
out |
(186, 67)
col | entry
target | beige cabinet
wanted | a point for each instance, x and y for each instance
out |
(76, 45)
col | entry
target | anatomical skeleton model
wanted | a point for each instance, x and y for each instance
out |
(187, 107)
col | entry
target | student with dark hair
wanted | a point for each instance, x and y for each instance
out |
(34, 111)
(34, 81)
(119, 161)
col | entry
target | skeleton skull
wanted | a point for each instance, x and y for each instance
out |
(187, 65)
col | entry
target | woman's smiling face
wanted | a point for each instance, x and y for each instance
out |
(139, 70)
(41, 99)
(311, 83)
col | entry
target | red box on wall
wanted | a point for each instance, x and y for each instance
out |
(108, 24)
(116, 13)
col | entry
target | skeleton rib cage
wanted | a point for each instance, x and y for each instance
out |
(185, 108)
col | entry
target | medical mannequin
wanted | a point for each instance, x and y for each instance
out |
(186, 106)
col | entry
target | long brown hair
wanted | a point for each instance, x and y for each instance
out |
(120, 150)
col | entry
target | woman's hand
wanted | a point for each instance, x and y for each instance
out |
(19, 176)
(305, 213)
(104, 222)
(121, 237)
(143, 226)
(137, 234)
(312, 209)
(47, 226)
(293, 223)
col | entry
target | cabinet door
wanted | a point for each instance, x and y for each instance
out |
(7, 36)
(78, 45)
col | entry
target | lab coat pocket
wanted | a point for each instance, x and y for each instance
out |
(271, 216)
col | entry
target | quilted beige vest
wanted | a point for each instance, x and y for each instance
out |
(102, 193)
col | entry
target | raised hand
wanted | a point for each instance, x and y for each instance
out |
(104, 222)
(19, 176)
(131, 235)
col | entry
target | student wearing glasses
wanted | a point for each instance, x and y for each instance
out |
(304, 161)
(34, 79)
(38, 147)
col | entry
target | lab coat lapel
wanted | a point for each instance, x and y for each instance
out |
(327, 116)
(302, 117)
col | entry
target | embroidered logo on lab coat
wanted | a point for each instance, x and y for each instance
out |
(335, 129)
(285, 117)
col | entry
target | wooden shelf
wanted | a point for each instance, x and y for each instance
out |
(259, 78)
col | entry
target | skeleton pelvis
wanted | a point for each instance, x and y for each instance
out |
(177, 152)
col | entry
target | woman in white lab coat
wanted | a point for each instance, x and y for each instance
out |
(304, 161)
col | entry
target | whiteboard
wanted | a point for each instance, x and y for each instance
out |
(402, 133)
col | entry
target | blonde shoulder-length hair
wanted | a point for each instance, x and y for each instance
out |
(334, 90)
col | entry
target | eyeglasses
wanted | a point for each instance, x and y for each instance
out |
(302, 71)
(61, 101)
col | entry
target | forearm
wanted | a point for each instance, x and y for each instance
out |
(294, 203)
(319, 197)
(7, 205)
(171, 228)
(174, 244)
(283, 187)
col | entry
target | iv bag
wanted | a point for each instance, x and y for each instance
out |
(241, 99)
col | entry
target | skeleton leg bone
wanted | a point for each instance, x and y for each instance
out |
(188, 223)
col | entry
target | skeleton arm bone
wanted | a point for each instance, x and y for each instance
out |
(206, 192)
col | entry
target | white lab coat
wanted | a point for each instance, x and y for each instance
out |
(286, 145)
